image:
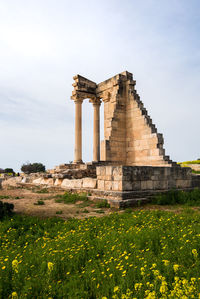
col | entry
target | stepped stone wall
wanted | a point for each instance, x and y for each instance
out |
(130, 137)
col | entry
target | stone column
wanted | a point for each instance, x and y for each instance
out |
(78, 131)
(96, 131)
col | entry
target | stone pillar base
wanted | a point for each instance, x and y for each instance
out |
(78, 162)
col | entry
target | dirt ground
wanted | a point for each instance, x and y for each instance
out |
(25, 200)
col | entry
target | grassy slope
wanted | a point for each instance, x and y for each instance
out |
(190, 162)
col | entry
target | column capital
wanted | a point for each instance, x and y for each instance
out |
(95, 101)
(78, 100)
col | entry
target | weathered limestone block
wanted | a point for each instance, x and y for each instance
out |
(127, 186)
(37, 181)
(50, 181)
(183, 183)
(160, 185)
(70, 184)
(109, 170)
(44, 181)
(25, 180)
(11, 181)
(108, 185)
(195, 181)
(136, 185)
(58, 182)
(89, 183)
(101, 184)
(147, 185)
(115, 186)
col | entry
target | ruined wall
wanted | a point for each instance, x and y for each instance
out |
(130, 138)
(140, 178)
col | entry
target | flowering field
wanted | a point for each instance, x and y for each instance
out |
(143, 254)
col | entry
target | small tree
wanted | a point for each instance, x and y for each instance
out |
(9, 170)
(33, 167)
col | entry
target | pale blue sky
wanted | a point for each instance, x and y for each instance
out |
(43, 44)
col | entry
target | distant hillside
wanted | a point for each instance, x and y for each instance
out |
(195, 165)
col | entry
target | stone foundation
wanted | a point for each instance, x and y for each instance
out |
(136, 178)
(120, 185)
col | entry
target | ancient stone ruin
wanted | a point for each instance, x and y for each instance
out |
(130, 163)
(130, 137)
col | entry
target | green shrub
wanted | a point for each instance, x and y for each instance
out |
(5, 209)
(71, 198)
(190, 198)
(32, 168)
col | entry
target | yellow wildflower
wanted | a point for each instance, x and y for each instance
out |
(194, 252)
(138, 286)
(116, 289)
(163, 288)
(154, 265)
(15, 265)
(166, 262)
(176, 267)
(14, 295)
(50, 266)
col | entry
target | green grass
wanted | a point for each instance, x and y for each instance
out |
(85, 211)
(190, 162)
(129, 255)
(174, 197)
(100, 211)
(195, 171)
(103, 204)
(44, 190)
(9, 197)
(39, 203)
(59, 212)
(71, 198)
(4, 196)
